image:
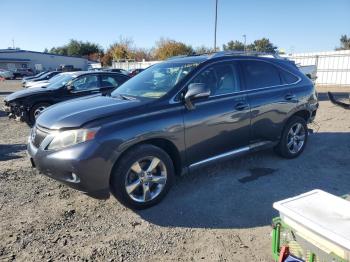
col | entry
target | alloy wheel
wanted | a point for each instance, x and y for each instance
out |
(38, 111)
(146, 179)
(296, 138)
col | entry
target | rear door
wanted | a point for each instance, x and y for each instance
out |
(220, 123)
(270, 96)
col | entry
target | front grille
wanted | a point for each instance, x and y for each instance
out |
(38, 136)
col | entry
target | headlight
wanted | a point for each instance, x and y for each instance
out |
(71, 137)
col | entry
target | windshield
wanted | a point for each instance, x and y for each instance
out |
(61, 81)
(55, 78)
(155, 81)
(44, 75)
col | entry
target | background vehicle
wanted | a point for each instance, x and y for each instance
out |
(22, 72)
(25, 79)
(116, 70)
(29, 103)
(44, 77)
(134, 72)
(44, 83)
(174, 117)
(6, 74)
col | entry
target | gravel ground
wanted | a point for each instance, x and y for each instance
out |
(219, 213)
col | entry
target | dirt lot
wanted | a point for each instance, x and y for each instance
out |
(220, 213)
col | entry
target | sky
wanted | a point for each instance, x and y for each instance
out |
(293, 25)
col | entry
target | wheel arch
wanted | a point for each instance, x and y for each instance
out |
(162, 143)
(303, 113)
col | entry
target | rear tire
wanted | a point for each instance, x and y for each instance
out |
(294, 138)
(142, 177)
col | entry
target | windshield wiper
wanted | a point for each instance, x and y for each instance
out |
(123, 97)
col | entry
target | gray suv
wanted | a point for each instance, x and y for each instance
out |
(173, 117)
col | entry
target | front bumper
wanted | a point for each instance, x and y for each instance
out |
(75, 166)
(17, 112)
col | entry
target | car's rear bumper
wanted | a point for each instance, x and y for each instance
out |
(75, 166)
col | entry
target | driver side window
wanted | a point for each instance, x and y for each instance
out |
(85, 83)
(221, 78)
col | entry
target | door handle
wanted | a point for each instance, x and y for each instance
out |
(289, 97)
(241, 106)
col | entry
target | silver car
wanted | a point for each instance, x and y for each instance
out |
(6, 74)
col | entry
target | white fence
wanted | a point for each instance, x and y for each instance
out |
(128, 65)
(333, 68)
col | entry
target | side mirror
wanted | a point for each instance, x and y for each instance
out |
(70, 88)
(195, 90)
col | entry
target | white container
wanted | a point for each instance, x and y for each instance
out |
(321, 218)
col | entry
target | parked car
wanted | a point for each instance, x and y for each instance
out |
(134, 72)
(46, 76)
(27, 104)
(22, 72)
(6, 74)
(44, 83)
(25, 79)
(117, 70)
(173, 117)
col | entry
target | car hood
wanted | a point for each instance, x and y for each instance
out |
(75, 113)
(25, 93)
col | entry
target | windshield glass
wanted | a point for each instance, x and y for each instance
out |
(61, 81)
(44, 75)
(155, 81)
(40, 74)
(55, 78)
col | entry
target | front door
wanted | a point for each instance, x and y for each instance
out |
(82, 86)
(220, 123)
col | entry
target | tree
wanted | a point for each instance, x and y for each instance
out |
(264, 45)
(203, 50)
(77, 48)
(260, 45)
(107, 59)
(166, 48)
(234, 46)
(46, 50)
(344, 43)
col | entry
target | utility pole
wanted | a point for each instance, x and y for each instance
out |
(13, 43)
(216, 23)
(245, 42)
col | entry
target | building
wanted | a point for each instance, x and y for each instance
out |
(12, 59)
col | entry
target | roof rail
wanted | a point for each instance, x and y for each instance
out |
(177, 56)
(245, 53)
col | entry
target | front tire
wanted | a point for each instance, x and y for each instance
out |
(293, 139)
(35, 111)
(142, 177)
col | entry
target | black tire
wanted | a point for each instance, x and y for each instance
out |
(282, 147)
(121, 171)
(33, 109)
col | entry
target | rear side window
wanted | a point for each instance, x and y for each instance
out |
(111, 81)
(259, 74)
(287, 77)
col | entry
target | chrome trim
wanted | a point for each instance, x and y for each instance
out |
(86, 90)
(173, 101)
(227, 154)
(232, 153)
